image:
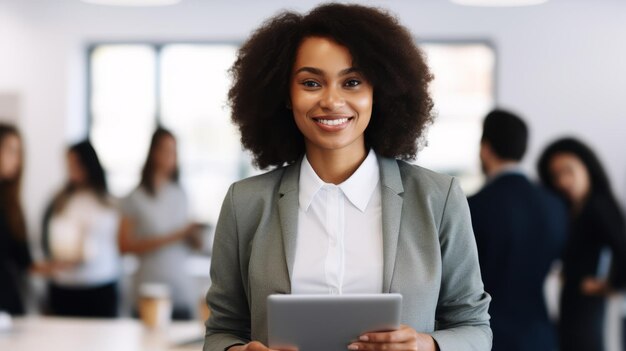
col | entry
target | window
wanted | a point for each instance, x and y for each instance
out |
(183, 87)
(464, 92)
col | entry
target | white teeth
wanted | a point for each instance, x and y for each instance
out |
(333, 122)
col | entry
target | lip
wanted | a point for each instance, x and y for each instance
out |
(332, 127)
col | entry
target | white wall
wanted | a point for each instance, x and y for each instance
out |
(561, 65)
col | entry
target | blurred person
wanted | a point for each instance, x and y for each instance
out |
(336, 100)
(157, 228)
(82, 235)
(15, 258)
(572, 169)
(520, 231)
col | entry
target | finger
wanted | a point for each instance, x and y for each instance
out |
(368, 346)
(404, 334)
(256, 346)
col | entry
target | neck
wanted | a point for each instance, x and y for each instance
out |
(498, 167)
(579, 203)
(335, 166)
(160, 179)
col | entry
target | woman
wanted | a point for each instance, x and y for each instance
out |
(83, 229)
(15, 256)
(571, 168)
(156, 226)
(331, 99)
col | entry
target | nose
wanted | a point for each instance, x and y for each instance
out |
(332, 99)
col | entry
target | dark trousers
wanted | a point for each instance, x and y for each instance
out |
(99, 302)
(581, 326)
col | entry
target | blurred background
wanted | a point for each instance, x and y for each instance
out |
(71, 69)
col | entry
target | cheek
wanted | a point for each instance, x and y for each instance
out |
(302, 103)
(363, 105)
(582, 184)
(561, 182)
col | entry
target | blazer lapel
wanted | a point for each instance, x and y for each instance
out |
(391, 197)
(288, 213)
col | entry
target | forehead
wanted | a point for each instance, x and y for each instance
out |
(321, 52)
(565, 159)
(10, 140)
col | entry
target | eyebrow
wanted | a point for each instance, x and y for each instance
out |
(320, 72)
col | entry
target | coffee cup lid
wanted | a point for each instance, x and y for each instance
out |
(154, 290)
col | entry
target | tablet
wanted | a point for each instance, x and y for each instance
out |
(328, 322)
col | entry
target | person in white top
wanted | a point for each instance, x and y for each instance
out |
(156, 227)
(81, 236)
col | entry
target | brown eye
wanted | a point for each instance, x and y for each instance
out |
(352, 83)
(311, 84)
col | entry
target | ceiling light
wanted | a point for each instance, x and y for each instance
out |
(130, 3)
(498, 3)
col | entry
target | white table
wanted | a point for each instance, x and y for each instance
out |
(76, 334)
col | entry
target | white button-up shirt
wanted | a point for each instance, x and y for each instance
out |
(339, 248)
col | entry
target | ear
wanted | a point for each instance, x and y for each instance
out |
(486, 152)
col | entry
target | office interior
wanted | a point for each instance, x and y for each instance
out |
(559, 64)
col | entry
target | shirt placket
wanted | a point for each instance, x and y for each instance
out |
(334, 228)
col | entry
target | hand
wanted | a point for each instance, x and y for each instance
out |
(193, 235)
(256, 346)
(48, 268)
(187, 231)
(595, 287)
(405, 338)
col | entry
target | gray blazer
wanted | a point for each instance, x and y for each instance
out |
(429, 253)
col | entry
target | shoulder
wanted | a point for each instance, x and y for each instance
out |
(426, 190)
(416, 176)
(550, 198)
(604, 209)
(259, 186)
(135, 194)
(135, 199)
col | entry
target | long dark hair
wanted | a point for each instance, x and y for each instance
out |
(149, 169)
(10, 203)
(599, 181)
(96, 179)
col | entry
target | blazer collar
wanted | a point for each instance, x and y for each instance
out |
(391, 196)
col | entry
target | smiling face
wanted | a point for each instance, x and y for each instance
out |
(331, 100)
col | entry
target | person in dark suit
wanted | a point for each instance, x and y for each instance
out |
(572, 169)
(520, 229)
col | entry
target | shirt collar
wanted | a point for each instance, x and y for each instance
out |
(358, 188)
(310, 184)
